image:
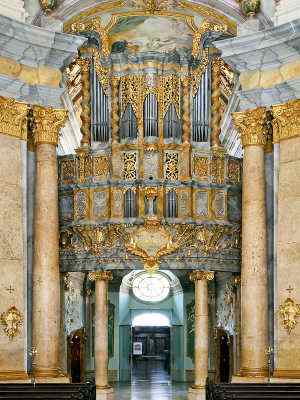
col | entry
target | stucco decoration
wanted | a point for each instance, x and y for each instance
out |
(12, 321)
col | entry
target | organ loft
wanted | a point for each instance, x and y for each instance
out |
(149, 199)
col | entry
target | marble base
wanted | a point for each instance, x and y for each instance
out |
(58, 379)
(196, 393)
(105, 393)
(249, 379)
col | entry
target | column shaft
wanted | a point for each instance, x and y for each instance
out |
(254, 292)
(46, 285)
(46, 281)
(201, 332)
(101, 334)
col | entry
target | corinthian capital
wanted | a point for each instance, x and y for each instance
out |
(252, 125)
(100, 276)
(13, 118)
(47, 124)
(286, 120)
(201, 275)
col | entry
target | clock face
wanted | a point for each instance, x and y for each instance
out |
(151, 287)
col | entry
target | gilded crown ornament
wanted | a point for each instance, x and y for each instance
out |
(47, 124)
(48, 5)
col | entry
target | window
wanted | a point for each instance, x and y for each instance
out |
(151, 287)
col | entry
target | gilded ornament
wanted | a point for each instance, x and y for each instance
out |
(171, 166)
(67, 170)
(201, 276)
(48, 5)
(201, 167)
(12, 321)
(286, 120)
(130, 166)
(217, 168)
(85, 115)
(100, 167)
(100, 276)
(252, 125)
(216, 112)
(83, 164)
(47, 124)
(13, 118)
(250, 7)
(233, 171)
(289, 312)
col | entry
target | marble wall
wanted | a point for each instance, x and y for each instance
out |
(13, 253)
(287, 350)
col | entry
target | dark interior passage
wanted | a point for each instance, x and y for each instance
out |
(151, 354)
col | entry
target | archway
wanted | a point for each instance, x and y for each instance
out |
(151, 329)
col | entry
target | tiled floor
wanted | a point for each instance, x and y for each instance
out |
(150, 382)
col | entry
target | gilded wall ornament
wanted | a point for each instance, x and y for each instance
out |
(130, 166)
(289, 311)
(12, 321)
(100, 167)
(201, 167)
(13, 118)
(171, 166)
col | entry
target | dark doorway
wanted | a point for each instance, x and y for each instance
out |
(224, 356)
(76, 355)
(151, 354)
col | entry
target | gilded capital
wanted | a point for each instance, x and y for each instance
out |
(100, 276)
(286, 120)
(13, 118)
(47, 124)
(252, 125)
(201, 275)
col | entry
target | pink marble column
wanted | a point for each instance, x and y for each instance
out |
(200, 278)
(101, 278)
(46, 280)
(252, 125)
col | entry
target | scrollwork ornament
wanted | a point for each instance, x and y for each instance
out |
(289, 312)
(12, 321)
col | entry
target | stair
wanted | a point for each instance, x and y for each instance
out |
(47, 391)
(253, 391)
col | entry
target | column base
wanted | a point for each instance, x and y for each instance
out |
(14, 377)
(104, 393)
(49, 375)
(197, 393)
(255, 375)
(286, 374)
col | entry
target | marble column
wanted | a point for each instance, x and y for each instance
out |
(252, 126)
(200, 278)
(46, 280)
(101, 278)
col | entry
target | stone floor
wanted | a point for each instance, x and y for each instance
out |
(150, 381)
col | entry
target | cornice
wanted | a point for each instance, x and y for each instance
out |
(248, 52)
(34, 46)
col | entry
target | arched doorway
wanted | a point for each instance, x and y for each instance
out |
(151, 330)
